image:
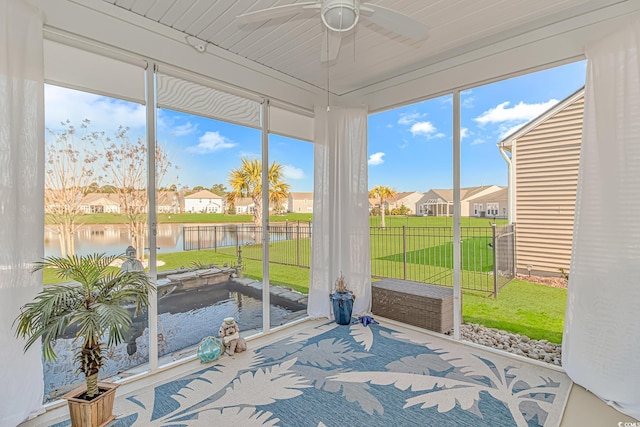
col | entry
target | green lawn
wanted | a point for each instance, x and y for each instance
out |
(530, 309)
(534, 310)
(477, 255)
(432, 221)
(521, 307)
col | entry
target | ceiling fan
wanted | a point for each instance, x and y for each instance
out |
(340, 16)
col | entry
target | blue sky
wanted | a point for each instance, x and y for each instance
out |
(410, 148)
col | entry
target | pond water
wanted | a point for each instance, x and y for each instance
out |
(184, 318)
(114, 238)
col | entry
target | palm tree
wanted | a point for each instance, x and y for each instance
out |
(246, 181)
(95, 305)
(382, 192)
(277, 195)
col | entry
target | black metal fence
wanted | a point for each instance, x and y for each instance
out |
(423, 254)
(504, 266)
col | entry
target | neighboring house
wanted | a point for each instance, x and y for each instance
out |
(409, 199)
(100, 203)
(300, 202)
(168, 202)
(244, 205)
(284, 206)
(543, 177)
(493, 205)
(55, 200)
(439, 202)
(204, 201)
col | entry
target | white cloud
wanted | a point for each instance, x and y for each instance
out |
(464, 132)
(376, 159)
(426, 129)
(467, 102)
(210, 142)
(389, 125)
(519, 112)
(478, 141)
(423, 128)
(185, 129)
(410, 118)
(292, 172)
(106, 114)
(419, 128)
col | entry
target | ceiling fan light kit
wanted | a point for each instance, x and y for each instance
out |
(340, 15)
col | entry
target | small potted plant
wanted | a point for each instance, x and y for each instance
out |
(95, 304)
(342, 301)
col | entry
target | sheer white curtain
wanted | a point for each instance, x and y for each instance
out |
(340, 242)
(21, 202)
(601, 342)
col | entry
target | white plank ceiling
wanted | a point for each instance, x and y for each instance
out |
(370, 54)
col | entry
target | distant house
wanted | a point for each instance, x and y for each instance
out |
(543, 176)
(409, 199)
(244, 205)
(439, 202)
(492, 205)
(204, 201)
(55, 201)
(436, 202)
(100, 203)
(168, 202)
(300, 202)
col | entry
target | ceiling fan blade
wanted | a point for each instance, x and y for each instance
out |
(331, 41)
(397, 22)
(276, 12)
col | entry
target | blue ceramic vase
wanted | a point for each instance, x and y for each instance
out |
(342, 307)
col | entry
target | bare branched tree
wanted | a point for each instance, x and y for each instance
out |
(69, 175)
(124, 164)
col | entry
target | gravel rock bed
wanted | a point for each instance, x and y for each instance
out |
(541, 350)
(554, 282)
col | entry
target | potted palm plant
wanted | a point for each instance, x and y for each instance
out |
(95, 304)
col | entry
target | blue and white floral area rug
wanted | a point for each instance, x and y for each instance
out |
(332, 375)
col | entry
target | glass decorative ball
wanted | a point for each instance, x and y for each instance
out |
(210, 349)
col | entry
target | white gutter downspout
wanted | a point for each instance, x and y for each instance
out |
(511, 183)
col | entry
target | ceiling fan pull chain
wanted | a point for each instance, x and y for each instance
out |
(327, 67)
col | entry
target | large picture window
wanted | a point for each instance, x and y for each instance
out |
(199, 228)
(95, 202)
